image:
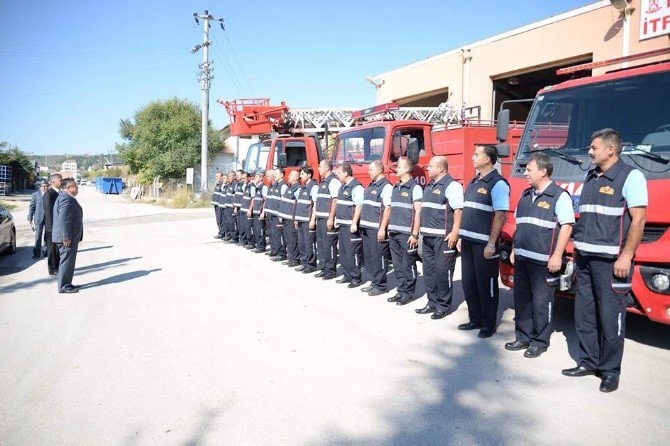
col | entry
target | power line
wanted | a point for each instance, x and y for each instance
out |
(244, 76)
(228, 67)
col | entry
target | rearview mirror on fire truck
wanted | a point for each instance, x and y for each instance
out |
(502, 127)
(282, 160)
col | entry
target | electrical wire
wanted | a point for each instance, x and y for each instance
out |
(244, 76)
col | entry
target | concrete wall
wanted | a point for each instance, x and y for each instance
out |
(596, 29)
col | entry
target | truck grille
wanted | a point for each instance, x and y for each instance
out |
(653, 233)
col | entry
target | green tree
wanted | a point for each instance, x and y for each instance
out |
(22, 167)
(163, 139)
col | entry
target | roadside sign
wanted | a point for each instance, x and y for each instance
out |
(654, 18)
(189, 176)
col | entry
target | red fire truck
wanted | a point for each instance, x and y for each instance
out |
(302, 136)
(635, 101)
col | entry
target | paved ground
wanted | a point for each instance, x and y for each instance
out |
(176, 338)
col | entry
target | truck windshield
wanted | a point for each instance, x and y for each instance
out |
(360, 146)
(257, 157)
(562, 122)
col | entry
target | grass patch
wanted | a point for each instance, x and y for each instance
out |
(183, 199)
(7, 206)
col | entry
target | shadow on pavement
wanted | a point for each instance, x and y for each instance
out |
(471, 402)
(95, 248)
(19, 261)
(104, 264)
(123, 277)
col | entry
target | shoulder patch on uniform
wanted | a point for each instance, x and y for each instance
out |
(404, 194)
(482, 190)
(543, 204)
(437, 191)
(607, 190)
(373, 192)
(346, 192)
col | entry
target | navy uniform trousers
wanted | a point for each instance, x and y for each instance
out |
(600, 315)
(404, 264)
(480, 284)
(438, 272)
(326, 246)
(291, 241)
(375, 255)
(533, 302)
(259, 232)
(307, 244)
(350, 252)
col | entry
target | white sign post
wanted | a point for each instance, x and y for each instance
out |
(189, 176)
(654, 18)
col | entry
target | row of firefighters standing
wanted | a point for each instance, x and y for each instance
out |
(310, 224)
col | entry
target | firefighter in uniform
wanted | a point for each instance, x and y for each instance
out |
(612, 210)
(484, 214)
(286, 215)
(232, 235)
(258, 193)
(303, 215)
(270, 211)
(247, 213)
(348, 212)
(277, 246)
(218, 208)
(440, 221)
(544, 219)
(243, 201)
(375, 214)
(403, 229)
(323, 219)
(237, 202)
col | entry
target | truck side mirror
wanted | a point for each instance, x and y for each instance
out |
(502, 128)
(503, 150)
(244, 163)
(282, 160)
(413, 151)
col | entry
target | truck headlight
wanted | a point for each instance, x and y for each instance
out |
(660, 281)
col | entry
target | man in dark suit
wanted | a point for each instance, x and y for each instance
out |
(49, 199)
(36, 217)
(68, 231)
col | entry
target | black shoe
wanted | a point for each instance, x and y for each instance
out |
(404, 301)
(367, 289)
(36, 257)
(469, 326)
(329, 276)
(301, 268)
(376, 292)
(516, 345)
(354, 284)
(578, 371)
(343, 280)
(534, 351)
(320, 274)
(308, 270)
(486, 332)
(231, 241)
(271, 254)
(609, 384)
(250, 247)
(293, 263)
(68, 289)
(55, 273)
(218, 237)
(226, 238)
(395, 298)
(425, 310)
(279, 258)
(439, 314)
(258, 250)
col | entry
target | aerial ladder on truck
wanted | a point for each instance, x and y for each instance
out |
(292, 138)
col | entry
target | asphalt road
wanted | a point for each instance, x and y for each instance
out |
(176, 338)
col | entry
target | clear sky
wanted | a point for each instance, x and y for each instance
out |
(70, 70)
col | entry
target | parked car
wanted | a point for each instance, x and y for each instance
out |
(7, 232)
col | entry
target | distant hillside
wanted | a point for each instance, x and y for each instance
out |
(83, 161)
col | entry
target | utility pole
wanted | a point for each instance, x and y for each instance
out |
(205, 77)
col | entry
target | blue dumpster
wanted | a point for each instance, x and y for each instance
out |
(109, 185)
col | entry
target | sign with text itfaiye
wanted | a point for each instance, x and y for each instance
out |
(654, 18)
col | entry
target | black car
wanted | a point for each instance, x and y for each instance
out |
(7, 232)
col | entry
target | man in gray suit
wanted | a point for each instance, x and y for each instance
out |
(68, 231)
(36, 218)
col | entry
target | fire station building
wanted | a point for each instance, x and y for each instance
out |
(514, 65)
